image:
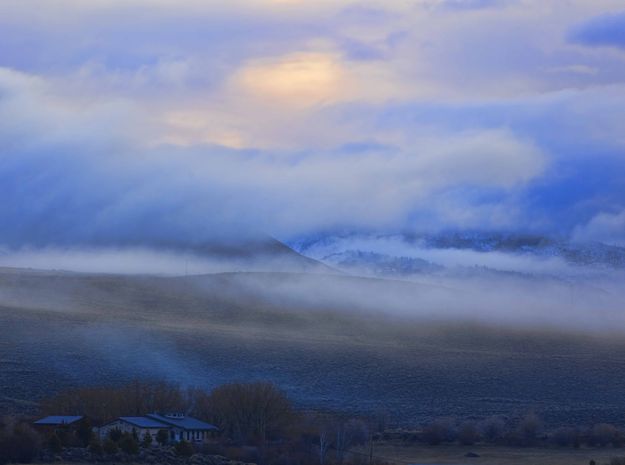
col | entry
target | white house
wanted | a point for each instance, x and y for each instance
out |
(177, 425)
(184, 427)
(139, 426)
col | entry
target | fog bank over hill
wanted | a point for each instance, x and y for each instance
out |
(414, 349)
(416, 326)
(237, 253)
(462, 253)
(392, 321)
(411, 278)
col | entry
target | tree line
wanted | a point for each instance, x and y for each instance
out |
(258, 423)
(522, 431)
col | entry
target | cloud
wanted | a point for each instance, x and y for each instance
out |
(576, 69)
(86, 184)
(602, 31)
(123, 124)
(606, 227)
(298, 79)
(474, 4)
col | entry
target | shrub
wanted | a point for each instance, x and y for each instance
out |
(438, 431)
(109, 446)
(493, 428)
(565, 436)
(54, 444)
(18, 442)
(84, 434)
(468, 434)
(95, 446)
(129, 444)
(115, 434)
(513, 438)
(212, 449)
(603, 434)
(528, 429)
(184, 449)
(242, 454)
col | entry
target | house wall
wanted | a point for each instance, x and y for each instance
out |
(190, 436)
(128, 428)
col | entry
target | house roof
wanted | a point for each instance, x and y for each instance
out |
(58, 420)
(143, 422)
(186, 423)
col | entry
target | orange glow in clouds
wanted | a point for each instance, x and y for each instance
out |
(300, 79)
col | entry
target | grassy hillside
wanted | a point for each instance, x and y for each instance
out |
(62, 329)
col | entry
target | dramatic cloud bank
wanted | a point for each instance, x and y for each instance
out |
(141, 122)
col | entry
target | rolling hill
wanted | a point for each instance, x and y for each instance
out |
(326, 339)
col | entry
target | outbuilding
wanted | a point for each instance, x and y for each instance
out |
(58, 420)
(59, 423)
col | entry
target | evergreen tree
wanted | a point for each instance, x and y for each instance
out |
(147, 440)
(184, 449)
(162, 437)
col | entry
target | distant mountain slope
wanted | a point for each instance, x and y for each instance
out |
(573, 252)
(259, 251)
(404, 254)
(378, 264)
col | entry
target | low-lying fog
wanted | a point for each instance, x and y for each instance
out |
(492, 288)
(138, 260)
(466, 341)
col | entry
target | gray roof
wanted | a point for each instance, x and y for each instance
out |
(186, 423)
(58, 420)
(144, 422)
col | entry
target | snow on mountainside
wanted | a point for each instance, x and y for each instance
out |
(574, 253)
(379, 264)
(404, 254)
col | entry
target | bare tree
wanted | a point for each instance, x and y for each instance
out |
(528, 428)
(439, 430)
(248, 411)
(493, 428)
(603, 434)
(349, 433)
(19, 443)
(103, 403)
(324, 444)
(468, 434)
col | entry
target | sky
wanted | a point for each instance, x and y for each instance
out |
(136, 121)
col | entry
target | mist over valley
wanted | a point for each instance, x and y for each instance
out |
(444, 340)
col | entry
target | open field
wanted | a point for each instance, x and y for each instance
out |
(61, 329)
(493, 455)
(489, 455)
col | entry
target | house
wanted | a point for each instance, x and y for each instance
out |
(178, 426)
(58, 420)
(187, 428)
(138, 426)
(58, 423)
